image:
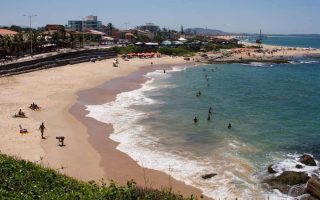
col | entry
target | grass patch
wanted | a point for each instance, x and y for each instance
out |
(20, 179)
(175, 51)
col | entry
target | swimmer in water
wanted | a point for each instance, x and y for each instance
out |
(195, 120)
(210, 111)
(198, 94)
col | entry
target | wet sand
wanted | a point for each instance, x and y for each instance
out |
(119, 166)
(88, 154)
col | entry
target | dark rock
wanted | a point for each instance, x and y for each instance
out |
(271, 170)
(313, 187)
(286, 180)
(299, 166)
(308, 160)
(207, 176)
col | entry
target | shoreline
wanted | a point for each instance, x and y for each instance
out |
(55, 90)
(118, 165)
(58, 91)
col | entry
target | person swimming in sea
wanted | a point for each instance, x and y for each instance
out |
(198, 94)
(195, 120)
(210, 110)
(229, 126)
(209, 117)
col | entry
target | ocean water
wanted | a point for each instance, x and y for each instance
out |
(290, 41)
(274, 111)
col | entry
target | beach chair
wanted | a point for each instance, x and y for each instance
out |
(60, 141)
(22, 130)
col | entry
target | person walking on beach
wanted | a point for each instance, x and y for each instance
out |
(41, 128)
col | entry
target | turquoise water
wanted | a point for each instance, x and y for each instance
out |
(291, 41)
(272, 109)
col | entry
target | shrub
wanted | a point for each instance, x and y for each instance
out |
(21, 179)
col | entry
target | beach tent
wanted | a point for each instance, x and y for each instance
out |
(182, 39)
(166, 43)
(152, 44)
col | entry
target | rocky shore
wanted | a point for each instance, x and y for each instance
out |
(301, 181)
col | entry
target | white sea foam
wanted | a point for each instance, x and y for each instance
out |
(290, 163)
(135, 141)
(259, 64)
(304, 62)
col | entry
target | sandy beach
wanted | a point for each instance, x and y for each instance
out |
(62, 94)
(89, 154)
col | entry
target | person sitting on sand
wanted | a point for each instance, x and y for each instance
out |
(20, 113)
(34, 106)
(195, 120)
(41, 128)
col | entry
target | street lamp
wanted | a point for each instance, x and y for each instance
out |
(82, 29)
(30, 23)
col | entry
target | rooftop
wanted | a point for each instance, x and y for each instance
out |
(7, 32)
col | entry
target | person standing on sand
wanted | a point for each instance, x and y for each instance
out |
(41, 128)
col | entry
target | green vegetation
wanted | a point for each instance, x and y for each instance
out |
(21, 179)
(179, 51)
(217, 47)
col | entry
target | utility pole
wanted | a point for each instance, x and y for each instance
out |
(30, 23)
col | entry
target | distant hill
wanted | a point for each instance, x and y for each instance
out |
(204, 31)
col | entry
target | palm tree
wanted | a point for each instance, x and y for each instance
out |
(71, 40)
(109, 28)
(7, 44)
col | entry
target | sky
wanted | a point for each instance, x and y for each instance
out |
(239, 16)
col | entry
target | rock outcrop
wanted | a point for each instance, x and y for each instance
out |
(313, 187)
(271, 170)
(207, 176)
(308, 160)
(286, 180)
